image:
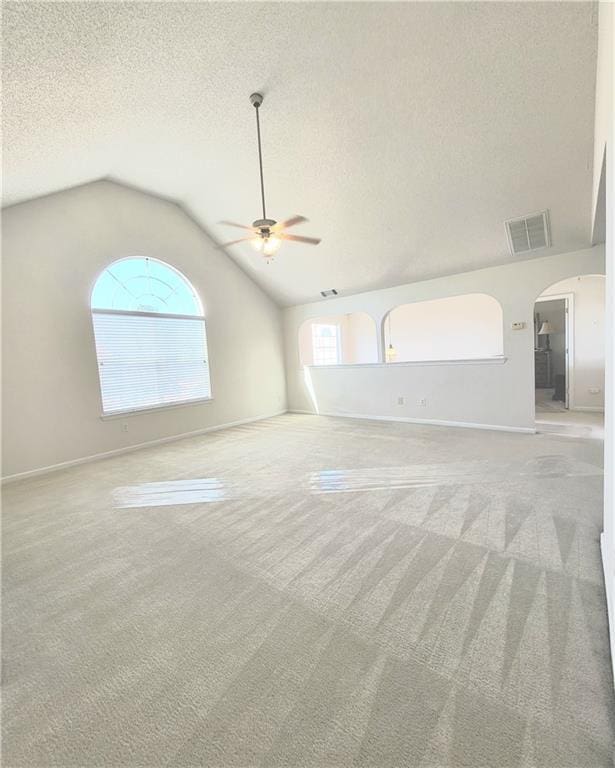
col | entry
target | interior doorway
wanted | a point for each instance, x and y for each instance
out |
(569, 357)
(552, 340)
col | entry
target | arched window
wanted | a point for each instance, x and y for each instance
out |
(150, 337)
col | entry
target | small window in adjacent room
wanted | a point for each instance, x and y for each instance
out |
(150, 337)
(338, 340)
(325, 344)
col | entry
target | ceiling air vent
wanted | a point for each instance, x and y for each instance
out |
(529, 233)
(331, 292)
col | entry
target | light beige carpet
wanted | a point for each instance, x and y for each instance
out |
(546, 404)
(311, 592)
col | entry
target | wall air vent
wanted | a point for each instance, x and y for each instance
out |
(326, 294)
(528, 233)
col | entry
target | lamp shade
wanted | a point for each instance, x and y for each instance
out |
(545, 329)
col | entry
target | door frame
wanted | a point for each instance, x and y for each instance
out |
(569, 340)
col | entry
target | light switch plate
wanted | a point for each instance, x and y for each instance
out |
(518, 326)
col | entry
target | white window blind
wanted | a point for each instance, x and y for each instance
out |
(147, 360)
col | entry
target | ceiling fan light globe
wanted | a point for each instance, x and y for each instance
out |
(257, 243)
(271, 245)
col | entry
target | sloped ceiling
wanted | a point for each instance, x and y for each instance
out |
(406, 132)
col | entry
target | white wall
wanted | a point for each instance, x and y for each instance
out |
(603, 115)
(53, 250)
(493, 393)
(587, 336)
(604, 141)
(361, 339)
(446, 329)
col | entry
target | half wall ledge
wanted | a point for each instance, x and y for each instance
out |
(498, 360)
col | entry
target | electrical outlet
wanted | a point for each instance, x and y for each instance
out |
(422, 401)
(594, 390)
(124, 427)
(401, 400)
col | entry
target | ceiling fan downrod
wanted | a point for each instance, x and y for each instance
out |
(257, 99)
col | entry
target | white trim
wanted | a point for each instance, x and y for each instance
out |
(131, 448)
(499, 360)
(554, 296)
(432, 422)
(135, 313)
(591, 408)
(609, 586)
(110, 415)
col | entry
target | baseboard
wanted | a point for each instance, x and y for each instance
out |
(589, 408)
(609, 585)
(433, 422)
(131, 448)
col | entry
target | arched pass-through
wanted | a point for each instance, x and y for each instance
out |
(464, 327)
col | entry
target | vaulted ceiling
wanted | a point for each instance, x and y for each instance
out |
(406, 132)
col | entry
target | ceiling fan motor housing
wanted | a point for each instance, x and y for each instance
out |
(264, 225)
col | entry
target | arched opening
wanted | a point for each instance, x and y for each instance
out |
(348, 339)
(454, 328)
(151, 343)
(569, 356)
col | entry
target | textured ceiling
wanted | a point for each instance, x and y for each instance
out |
(406, 133)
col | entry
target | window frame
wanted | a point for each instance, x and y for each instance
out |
(119, 414)
(338, 344)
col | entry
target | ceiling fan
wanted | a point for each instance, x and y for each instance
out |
(267, 234)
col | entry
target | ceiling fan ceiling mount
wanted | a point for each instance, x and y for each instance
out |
(256, 99)
(267, 234)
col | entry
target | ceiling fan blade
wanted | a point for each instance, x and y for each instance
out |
(301, 239)
(234, 242)
(234, 224)
(290, 222)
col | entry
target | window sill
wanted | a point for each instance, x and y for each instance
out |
(152, 409)
(498, 360)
